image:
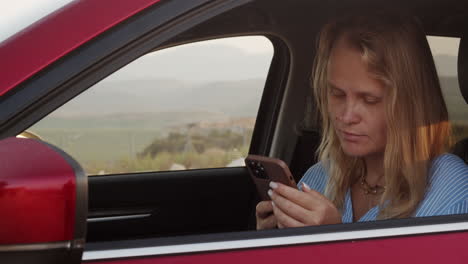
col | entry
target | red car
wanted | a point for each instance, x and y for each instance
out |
(133, 162)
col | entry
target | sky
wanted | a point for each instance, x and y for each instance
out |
(16, 15)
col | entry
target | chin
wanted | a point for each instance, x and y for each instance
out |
(360, 152)
(356, 154)
(357, 151)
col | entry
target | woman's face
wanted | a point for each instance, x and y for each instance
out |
(355, 103)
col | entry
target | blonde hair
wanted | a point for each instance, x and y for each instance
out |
(396, 52)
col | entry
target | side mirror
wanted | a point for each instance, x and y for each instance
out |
(43, 204)
(29, 134)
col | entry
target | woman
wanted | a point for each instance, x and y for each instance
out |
(385, 130)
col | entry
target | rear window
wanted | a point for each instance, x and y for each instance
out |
(445, 52)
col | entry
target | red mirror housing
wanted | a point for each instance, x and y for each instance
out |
(43, 203)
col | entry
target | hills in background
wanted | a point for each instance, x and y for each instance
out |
(157, 103)
(227, 83)
(140, 96)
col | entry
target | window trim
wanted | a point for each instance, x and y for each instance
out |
(279, 237)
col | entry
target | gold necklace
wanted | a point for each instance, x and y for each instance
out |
(373, 190)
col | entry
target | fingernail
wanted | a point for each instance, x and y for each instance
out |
(305, 186)
(270, 192)
(273, 185)
(273, 204)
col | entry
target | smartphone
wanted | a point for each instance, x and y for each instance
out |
(263, 170)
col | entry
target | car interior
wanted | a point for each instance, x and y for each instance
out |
(223, 200)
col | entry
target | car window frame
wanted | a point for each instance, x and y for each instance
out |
(196, 42)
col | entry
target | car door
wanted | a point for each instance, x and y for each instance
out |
(398, 241)
(140, 217)
(151, 204)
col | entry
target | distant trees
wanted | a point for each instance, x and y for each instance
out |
(197, 142)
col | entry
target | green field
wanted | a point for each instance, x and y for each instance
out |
(118, 149)
(100, 144)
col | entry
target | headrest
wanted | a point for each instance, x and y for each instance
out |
(463, 66)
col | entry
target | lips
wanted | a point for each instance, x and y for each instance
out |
(349, 136)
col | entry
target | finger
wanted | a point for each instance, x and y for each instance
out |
(280, 226)
(285, 220)
(306, 200)
(307, 189)
(291, 209)
(266, 223)
(327, 214)
(264, 209)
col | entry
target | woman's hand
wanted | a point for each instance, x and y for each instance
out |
(265, 217)
(293, 208)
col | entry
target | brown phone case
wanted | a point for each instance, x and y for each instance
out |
(263, 170)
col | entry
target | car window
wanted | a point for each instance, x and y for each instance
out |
(186, 107)
(445, 52)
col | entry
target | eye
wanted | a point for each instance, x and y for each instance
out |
(371, 100)
(337, 92)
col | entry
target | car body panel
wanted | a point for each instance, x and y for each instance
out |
(429, 249)
(58, 34)
(35, 197)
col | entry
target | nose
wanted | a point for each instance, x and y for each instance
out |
(349, 115)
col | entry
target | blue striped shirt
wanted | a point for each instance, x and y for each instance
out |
(446, 194)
